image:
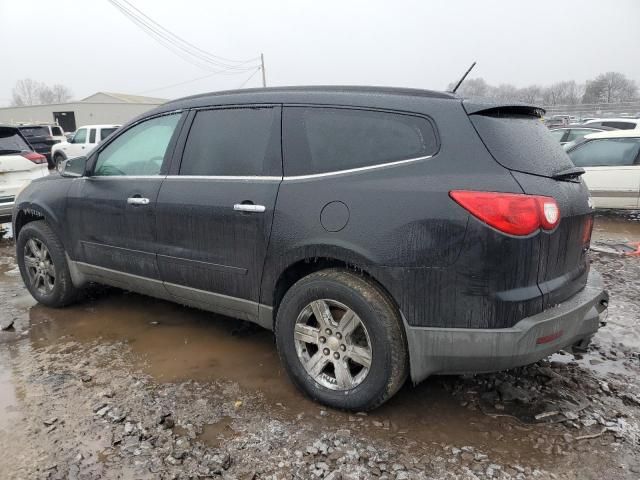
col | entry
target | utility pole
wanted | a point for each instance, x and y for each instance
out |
(264, 78)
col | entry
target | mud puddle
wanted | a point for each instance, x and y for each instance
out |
(176, 344)
(617, 226)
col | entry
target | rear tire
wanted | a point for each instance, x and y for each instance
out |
(43, 265)
(354, 357)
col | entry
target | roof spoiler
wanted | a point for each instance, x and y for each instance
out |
(483, 107)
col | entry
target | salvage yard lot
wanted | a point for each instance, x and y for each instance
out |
(124, 386)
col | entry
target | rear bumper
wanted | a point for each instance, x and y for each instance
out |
(458, 350)
(6, 209)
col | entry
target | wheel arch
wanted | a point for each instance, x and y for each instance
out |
(298, 267)
(31, 213)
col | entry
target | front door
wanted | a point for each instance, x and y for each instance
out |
(112, 211)
(216, 207)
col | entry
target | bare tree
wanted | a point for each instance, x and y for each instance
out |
(32, 92)
(61, 93)
(610, 87)
(26, 92)
(473, 87)
(530, 94)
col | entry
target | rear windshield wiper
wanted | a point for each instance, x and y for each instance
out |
(568, 173)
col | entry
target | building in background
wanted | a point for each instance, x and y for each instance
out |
(99, 108)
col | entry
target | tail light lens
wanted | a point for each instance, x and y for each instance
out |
(34, 157)
(512, 213)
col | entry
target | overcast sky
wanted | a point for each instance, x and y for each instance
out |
(90, 46)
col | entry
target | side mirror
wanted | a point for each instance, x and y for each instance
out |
(74, 167)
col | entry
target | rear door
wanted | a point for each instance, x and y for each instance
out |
(613, 170)
(215, 209)
(112, 212)
(517, 139)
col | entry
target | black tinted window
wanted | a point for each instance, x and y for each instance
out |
(606, 152)
(321, 140)
(35, 131)
(92, 135)
(233, 142)
(620, 125)
(56, 131)
(11, 141)
(105, 132)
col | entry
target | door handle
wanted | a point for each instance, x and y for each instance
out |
(249, 207)
(137, 201)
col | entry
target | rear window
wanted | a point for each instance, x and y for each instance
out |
(608, 152)
(11, 141)
(105, 132)
(521, 142)
(35, 131)
(320, 140)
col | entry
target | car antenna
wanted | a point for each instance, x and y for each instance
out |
(463, 77)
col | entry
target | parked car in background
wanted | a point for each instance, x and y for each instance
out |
(611, 161)
(619, 123)
(381, 233)
(19, 164)
(83, 141)
(42, 137)
(572, 133)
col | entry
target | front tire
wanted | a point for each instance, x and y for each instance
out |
(43, 265)
(341, 340)
(57, 160)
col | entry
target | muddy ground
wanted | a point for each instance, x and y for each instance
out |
(123, 386)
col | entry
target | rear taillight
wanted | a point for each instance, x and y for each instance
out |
(34, 157)
(512, 213)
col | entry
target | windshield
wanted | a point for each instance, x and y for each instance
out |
(11, 141)
(35, 131)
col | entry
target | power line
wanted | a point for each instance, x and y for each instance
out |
(250, 77)
(179, 46)
(182, 40)
(178, 84)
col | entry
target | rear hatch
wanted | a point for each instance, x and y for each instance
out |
(39, 138)
(518, 140)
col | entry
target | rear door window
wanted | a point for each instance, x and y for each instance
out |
(233, 142)
(320, 139)
(56, 131)
(610, 152)
(105, 132)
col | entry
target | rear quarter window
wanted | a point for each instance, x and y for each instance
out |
(321, 139)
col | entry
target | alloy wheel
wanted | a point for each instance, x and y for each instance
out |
(39, 266)
(333, 344)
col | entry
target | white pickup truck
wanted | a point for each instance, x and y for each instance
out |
(84, 140)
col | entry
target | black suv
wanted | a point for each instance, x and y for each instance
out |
(380, 233)
(42, 138)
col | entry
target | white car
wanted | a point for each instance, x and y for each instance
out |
(84, 140)
(18, 166)
(620, 123)
(611, 161)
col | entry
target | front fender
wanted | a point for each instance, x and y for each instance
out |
(45, 199)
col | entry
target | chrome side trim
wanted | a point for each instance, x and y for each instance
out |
(355, 170)
(254, 178)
